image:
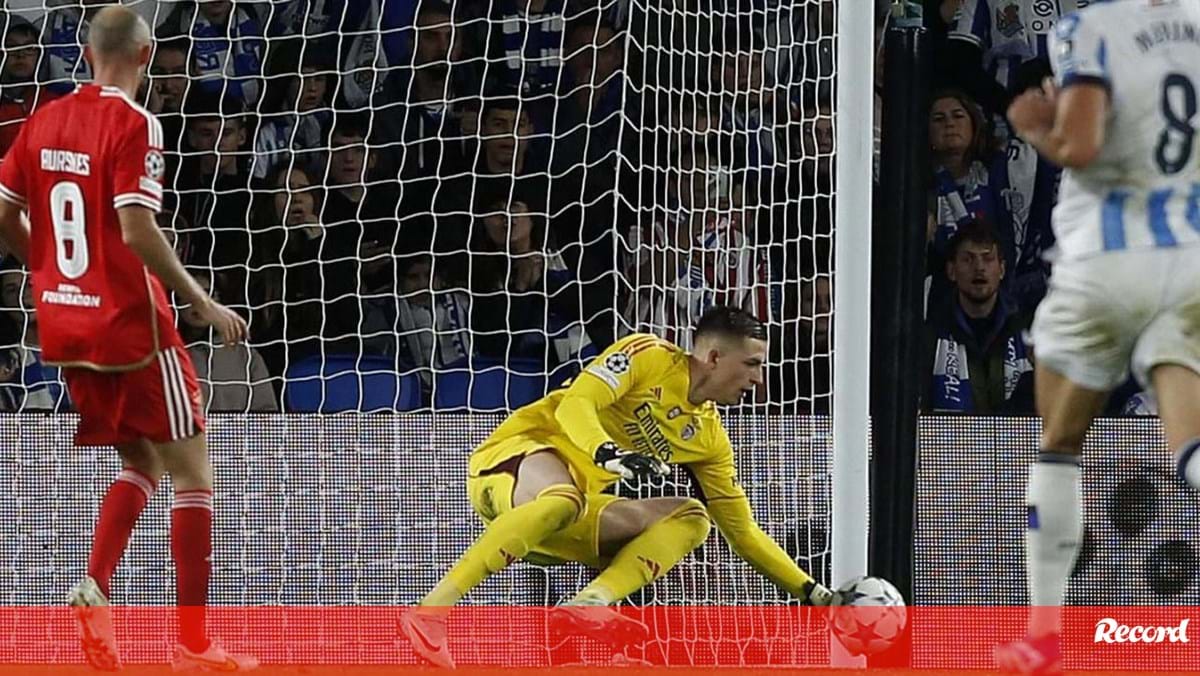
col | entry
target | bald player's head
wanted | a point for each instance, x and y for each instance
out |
(118, 34)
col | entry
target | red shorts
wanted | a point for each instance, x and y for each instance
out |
(159, 402)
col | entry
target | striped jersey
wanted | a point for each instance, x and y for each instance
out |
(1143, 189)
(76, 161)
(1010, 32)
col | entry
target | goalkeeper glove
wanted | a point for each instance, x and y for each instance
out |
(820, 595)
(627, 464)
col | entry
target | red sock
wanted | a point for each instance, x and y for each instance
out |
(191, 545)
(124, 502)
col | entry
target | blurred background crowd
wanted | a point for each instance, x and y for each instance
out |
(468, 200)
(442, 190)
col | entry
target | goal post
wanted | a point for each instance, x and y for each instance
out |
(853, 124)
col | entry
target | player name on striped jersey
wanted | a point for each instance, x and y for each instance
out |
(66, 161)
(68, 294)
(1164, 32)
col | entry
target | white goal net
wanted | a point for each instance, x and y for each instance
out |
(435, 208)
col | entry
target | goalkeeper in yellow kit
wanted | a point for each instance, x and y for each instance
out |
(644, 403)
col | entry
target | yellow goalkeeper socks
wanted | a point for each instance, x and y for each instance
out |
(507, 538)
(650, 555)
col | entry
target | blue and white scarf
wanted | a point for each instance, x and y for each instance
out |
(228, 59)
(952, 390)
(63, 33)
(532, 46)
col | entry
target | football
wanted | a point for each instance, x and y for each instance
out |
(871, 615)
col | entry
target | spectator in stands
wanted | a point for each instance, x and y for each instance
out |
(803, 205)
(316, 270)
(64, 30)
(233, 378)
(527, 300)
(588, 121)
(964, 156)
(693, 256)
(799, 369)
(167, 87)
(321, 25)
(421, 139)
(360, 223)
(1029, 188)
(815, 365)
(818, 36)
(812, 139)
(26, 384)
(296, 126)
(506, 128)
(372, 47)
(750, 111)
(287, 289)
(978, 361)
(169, 72)
(227, 46)
(354, 194)
(20, 94)
(990, 41)
(213, 187)
(433, 319)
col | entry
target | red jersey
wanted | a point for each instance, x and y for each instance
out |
(75, 162)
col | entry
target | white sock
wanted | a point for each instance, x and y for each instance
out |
(1052, 539)
(1188, 463)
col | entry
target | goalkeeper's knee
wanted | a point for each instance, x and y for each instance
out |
(693, 516)
(564, 504)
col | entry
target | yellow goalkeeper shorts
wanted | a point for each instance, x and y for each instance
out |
(490, 487)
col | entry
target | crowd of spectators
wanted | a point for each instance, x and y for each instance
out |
(458, 185)
(990, 203)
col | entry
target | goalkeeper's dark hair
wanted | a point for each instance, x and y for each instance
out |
(729, 322)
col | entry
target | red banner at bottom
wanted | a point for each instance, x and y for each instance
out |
(703, 639)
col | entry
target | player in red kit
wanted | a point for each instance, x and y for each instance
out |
(87, 170)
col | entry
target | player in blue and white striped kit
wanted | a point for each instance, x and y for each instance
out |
(1121, 116)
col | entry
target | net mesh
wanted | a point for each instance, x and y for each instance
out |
(445, 208)
(454, 208)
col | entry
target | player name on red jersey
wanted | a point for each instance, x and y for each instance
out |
(66, 162)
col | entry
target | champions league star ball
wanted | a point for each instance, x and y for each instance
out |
(871, 615)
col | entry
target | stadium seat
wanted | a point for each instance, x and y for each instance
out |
(339, 383)
(488, 385)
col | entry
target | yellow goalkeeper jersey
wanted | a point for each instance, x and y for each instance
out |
(636, 394)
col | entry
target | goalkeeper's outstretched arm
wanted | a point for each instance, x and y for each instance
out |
(736, 523)
(730, 509)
